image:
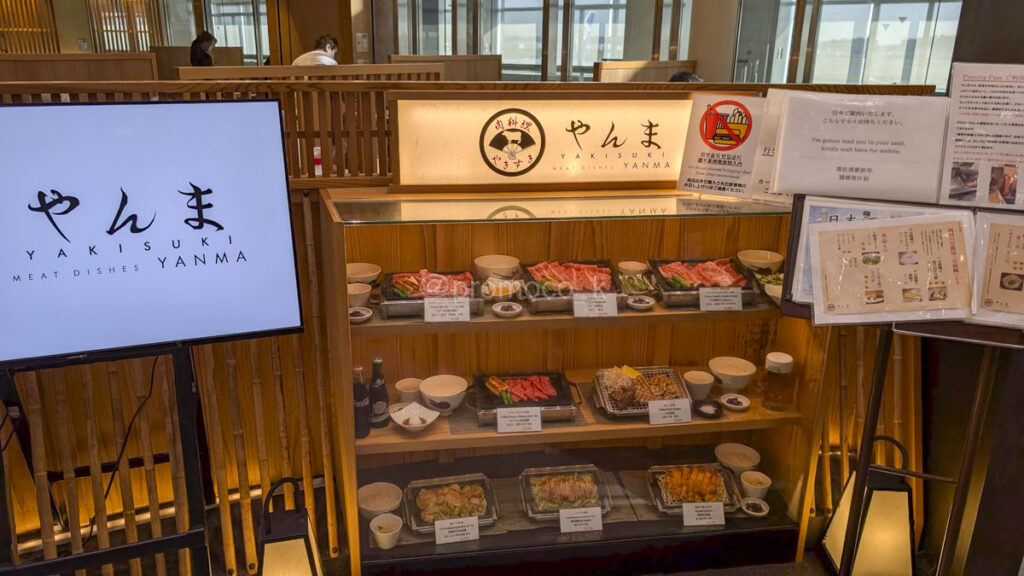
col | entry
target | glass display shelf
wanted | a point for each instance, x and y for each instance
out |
(371, 206)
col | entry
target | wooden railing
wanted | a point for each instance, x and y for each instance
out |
(459, 68)
(77, 67)
(641, 70)
(169, 58)
(345, 72)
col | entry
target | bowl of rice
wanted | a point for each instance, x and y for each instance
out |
(444, 392)
(378, 498)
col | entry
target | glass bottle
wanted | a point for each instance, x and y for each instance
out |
(779, 380)
(361, 400)
(379, 416)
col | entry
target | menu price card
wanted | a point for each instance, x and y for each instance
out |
(721, 299)
(456, 530)
(513, 420)
(999, 282)
(703, 514)
(909, 269)
(446, 309)
(594, 304)
(580, 519)
(675, 411)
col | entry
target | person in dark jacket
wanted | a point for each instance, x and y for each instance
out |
(199, 55)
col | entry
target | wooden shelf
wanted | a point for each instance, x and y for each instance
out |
(438, 436)
(487, 321)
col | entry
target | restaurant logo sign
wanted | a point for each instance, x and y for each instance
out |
(512, 142)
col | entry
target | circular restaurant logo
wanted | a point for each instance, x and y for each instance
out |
(512, 142)
(725, 125)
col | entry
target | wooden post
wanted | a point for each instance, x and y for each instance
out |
(306, 450)
(34, 412)
(67, 464)
(242, 463)
(282, 424)
(124, 476)
(220, 472)
(177, 466)
(99, 502)
(141, 381)
(257, 406)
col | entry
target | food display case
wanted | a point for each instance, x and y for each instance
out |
(598, 454)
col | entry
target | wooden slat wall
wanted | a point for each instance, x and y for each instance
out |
(126, 25)
(27, 26)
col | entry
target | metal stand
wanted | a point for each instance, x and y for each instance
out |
(194, 539)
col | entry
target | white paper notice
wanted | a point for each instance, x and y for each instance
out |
(703, 514)
(721, 142)
(880, 147)
(984, 155)
(721, 299)
(512, 420)
(594, 305)
(579, 519)
(764, 158)
(456, 530)
(675, 411)
(446, 309)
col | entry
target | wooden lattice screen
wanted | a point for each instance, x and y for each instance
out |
(27, 27)
(126, 25)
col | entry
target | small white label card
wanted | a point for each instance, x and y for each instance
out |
(594, 305)
(703, 514)
(675, 411)
(512, 420)
(446, 309)
(580, 519)
(456, 530)
(721, 299)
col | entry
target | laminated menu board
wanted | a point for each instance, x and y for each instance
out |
(999, 261)
(817, 209)
(916, 268)
(985, 137)
(721, 143)
(764, 159)
(861, 146)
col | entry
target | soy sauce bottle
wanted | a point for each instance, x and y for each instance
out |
(361, 398)
(379, 416)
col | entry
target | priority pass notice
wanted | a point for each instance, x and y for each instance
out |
(579, 519)
(703, 514)
(456, 530)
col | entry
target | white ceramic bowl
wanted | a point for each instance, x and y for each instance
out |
(640, 302)
(496, 265)
(755, 484)
(754, 507)
(378, 498)
(386, 529)
(735, 402)
(358, 295)
(760, 260)
(733, 373)
(413, 417)
(737, 457)
(359, 314)
(363, 272)
(408, 389)
(499, 290)
(699, 383)
(443, 392)
(632, 267)
(507, 309)
(774, 291)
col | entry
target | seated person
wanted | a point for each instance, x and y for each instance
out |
(199, 53)
(684, 76)
(322, 55)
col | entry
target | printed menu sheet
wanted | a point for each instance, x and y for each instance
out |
(914, 269)
(1000, 281)
(985, 137)
(764, 161)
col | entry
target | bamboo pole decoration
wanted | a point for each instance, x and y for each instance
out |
(99, 503)
(219, 471)
(879, 447)
(141, 381)
(12, 525)
(897, 392)
(34, 412)
(826, 471)
(282, 423)
(242, 462)
(257, 406)
(861, 404)
(844, 446)
(307, 466)
(323, 398)
(67, 464)
(124, 477)
(177, 465)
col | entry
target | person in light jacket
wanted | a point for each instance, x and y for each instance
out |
(322, 55)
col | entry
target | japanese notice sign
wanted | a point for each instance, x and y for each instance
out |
(456, 530)
(579, 519)
(916, 268)
(985, 137)
(999, 281)
(674, 411)
(513, 420)
(764, 159)
(720, 299)
(703, 514)
(528, 140)
(454, 309)
(721, 142)
(875, 147)
(594, 305)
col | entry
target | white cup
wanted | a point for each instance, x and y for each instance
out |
(409, 390)
(698, 383)
(755, 484)
(386, 529)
